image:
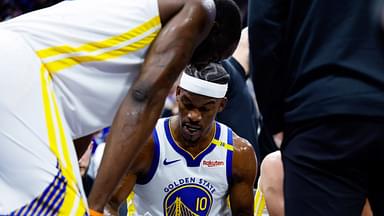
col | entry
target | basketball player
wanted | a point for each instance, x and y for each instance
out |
(192, 163)
(70, 69)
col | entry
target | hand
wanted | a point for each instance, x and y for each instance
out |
(109, 211)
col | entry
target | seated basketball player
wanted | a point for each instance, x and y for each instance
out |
(192, 164)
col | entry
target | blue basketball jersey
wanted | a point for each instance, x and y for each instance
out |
(180, 184)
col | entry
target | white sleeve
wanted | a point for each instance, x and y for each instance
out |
(96, 160)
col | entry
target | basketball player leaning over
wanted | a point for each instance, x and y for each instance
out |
(192, 163)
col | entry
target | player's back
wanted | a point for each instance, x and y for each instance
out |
(93, 50)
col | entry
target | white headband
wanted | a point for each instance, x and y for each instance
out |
(202, 87)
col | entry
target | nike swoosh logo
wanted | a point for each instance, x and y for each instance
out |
(165, 162)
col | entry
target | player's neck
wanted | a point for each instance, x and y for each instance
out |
(194, 148)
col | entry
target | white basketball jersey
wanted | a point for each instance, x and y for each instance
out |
(93, 50)
(180, 184)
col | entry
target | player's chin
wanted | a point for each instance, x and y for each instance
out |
(191, 137)
(195, 138)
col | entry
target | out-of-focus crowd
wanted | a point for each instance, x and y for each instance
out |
(13, 8)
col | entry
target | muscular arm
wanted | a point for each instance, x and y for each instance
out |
(121, 194)
(244, 167)
(136, 116)
(271, 183)
(140, 167)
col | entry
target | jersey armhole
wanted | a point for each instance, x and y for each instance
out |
(155, 161)
(229, 157)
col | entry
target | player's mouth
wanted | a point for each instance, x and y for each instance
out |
(191, 130)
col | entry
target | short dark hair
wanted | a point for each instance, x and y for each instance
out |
(213, 72)
(228, 21)
(223, 37)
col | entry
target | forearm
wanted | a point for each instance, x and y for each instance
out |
(136, 118)
(132, 126)
(169, 54)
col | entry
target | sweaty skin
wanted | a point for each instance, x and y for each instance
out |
(185, 24)
(201, 111)
(271, 183)
(244, 172)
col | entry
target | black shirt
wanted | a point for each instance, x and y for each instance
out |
(240, 112)
(314, 58)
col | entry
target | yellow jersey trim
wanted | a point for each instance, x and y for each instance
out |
(131, 208)
(73, 202)
(222, 144)
(69, 56)
(61, 64)
(259, 203)
(97, 45)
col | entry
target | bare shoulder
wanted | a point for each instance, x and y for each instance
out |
(241, 145)
(271, 162)
(271, 172)
(244, 158)
(169, 8)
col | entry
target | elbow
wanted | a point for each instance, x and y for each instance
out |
(140, 94)
(146, 94)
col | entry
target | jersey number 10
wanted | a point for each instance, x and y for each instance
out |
(201, 203)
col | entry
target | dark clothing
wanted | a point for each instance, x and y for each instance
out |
(266, 142)
(13, 8)
(332, 165)
(87, 184)
(313, 58)
(243, 6)
(318, 73)
(240, 111)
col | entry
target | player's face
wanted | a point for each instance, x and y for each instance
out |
(196, 114)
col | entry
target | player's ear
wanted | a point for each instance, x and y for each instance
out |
(178, 92)
(223, 102)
